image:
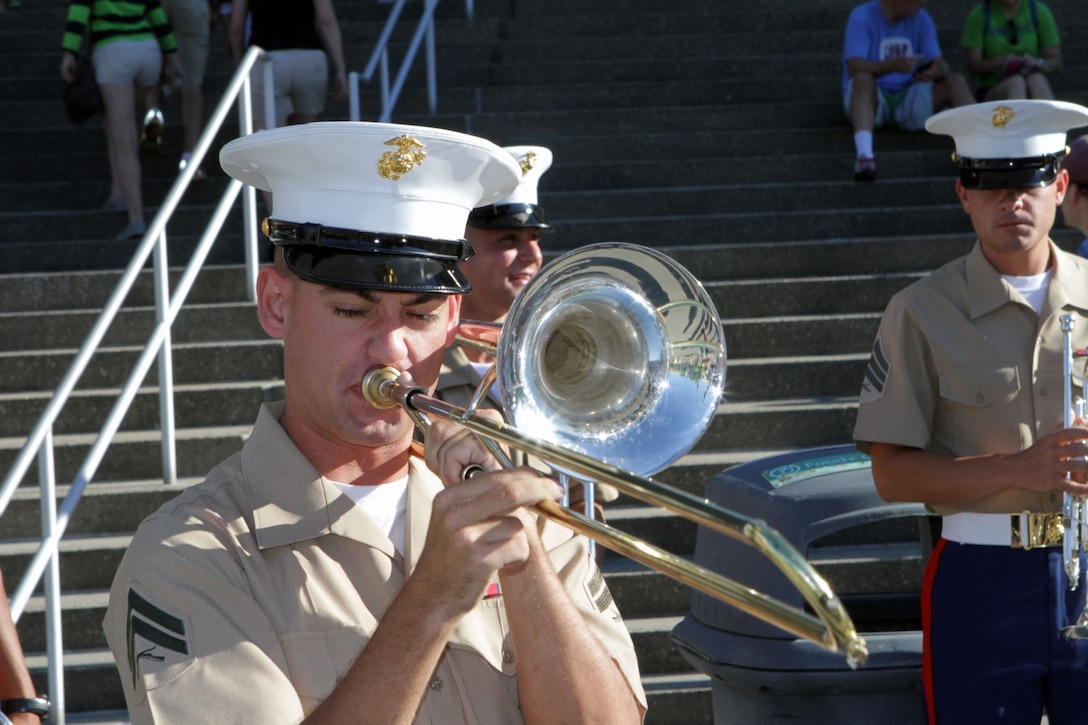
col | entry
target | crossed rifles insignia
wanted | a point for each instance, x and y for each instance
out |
(395, 164)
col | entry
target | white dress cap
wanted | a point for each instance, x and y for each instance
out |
(1009, 129)
(1009, 143)
(520, 209)
(533, 162)
(373, 177)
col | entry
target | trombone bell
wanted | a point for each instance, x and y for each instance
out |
(614, 351)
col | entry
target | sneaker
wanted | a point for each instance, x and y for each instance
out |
(132, 231)
(864, 169)
(117, 204)
(151, 139)
(198, 175)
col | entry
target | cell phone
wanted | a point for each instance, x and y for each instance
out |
(924, 66)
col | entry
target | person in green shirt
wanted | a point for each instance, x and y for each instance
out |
(1012, 46)
(132, 47)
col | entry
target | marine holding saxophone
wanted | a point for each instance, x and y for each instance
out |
(964, 408)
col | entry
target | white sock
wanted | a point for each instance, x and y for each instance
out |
(863, 142)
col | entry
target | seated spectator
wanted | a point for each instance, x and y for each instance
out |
(1011, 47)
(893, 74)
(1075, 204)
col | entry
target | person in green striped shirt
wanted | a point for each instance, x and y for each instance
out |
(132, 47)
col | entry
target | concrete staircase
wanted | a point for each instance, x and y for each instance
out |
(713, 135)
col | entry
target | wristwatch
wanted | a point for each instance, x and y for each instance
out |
(39, 706)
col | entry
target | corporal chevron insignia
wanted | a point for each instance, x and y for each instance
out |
(598, 590)
(156, 638)
(876, 374)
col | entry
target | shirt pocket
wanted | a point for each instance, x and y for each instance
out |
(978, 388)
(317, 661)
(980, 412)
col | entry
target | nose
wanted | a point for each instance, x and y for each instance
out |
(529, 250)
(387, 344)
(1013, 198)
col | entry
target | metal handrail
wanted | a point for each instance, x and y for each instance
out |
(40, 441)
(379, 60)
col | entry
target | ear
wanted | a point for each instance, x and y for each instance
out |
(454, 310)
(1061, 185)
(965, 201)
(273, 293)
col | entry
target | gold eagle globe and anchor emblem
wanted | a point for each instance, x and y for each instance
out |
(395, 164)
(1001, 116)
(528, 161)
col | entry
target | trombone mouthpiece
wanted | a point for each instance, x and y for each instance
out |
(374, 383)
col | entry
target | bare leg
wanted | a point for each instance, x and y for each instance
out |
(863, 102)
(1039, 87)
(951, 91)
(1009, 88)
(119, 102)
(192, 115)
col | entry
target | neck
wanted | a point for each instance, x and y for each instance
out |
(1023, 264)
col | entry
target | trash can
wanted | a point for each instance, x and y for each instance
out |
(872, 554)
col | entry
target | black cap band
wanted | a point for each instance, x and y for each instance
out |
(1023, 173)
(508, 216)
(368, 260)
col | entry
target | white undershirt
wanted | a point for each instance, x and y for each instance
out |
(385, 503)
(1033, 288)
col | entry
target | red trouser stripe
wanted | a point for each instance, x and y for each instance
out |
(927, 616)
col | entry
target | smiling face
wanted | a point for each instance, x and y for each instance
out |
(504, 262)
(1014, 224)
(331, 338)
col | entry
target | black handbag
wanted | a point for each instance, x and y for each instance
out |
(82, 99)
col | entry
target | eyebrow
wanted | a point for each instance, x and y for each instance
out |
(372, 295)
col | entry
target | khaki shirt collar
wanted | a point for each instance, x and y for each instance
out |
(292, 502)
(987, 291)
(456, 370)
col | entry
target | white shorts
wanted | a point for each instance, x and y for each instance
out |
(124, 62)
(907, 109)
(300, 79)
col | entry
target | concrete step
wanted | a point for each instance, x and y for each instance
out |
(68, 328)
(193, 363)
(135, 454)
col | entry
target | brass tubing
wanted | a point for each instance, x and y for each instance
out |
(831, 628)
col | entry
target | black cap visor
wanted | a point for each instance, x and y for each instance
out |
(363, 260)
(1009, 173)
(508, 216)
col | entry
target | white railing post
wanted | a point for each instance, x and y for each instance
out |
(54, 636)
(432, 80)
(166, 364)
(249, 196)
(387, 106)
(269, 94)
(354, 110)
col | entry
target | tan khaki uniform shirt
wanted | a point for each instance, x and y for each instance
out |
(963, 366)
(249, 596)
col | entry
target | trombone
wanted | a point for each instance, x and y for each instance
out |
(616, 350)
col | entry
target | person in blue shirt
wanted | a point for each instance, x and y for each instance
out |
(893, 74)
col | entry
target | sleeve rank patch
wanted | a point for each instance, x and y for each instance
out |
(156, 638)
(876, 374)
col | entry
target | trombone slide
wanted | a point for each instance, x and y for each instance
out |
(831, 626)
